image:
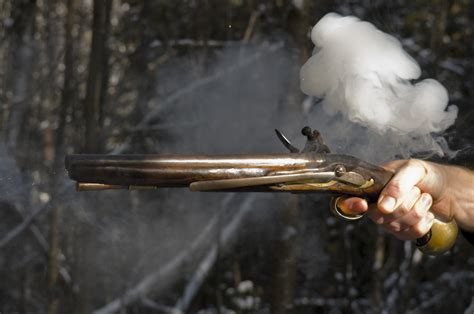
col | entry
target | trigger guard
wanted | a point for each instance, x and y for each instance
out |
(338, 212)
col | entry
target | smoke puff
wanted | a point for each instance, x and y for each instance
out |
(365, 74)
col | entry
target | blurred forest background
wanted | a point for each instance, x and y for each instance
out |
(209, 76)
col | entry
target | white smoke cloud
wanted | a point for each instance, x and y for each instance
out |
(365, 75)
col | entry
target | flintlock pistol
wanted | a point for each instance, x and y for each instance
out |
(310, 170)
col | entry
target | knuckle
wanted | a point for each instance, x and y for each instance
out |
(394, 188)
(418, 233)
(402, 210)
(420, 209)
(416, 192)
(394, 226)
(418, 164)
(378, 219)
(418, 213)
(419, 230)
(414, 163)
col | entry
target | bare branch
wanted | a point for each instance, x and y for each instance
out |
(404, 274)
(22, 226)
(171, 99)
(192, 288)
(470, 308)
(166, 275)
(210, 259)
(322, 301)
(15, 232)
(251, 25)
(43, 243)
(187, 42)
(159, 307)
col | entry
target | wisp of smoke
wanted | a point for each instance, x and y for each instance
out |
(365, 75)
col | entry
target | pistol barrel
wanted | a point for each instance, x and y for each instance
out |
(174, 171)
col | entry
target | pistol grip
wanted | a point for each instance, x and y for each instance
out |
(439, 239)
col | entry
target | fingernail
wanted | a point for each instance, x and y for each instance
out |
(388, 203)
(430, 217)
(357, 208)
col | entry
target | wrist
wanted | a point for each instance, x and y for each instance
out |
(439, 179)
(459, 195)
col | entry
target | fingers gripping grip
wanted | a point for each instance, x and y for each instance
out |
(438, 240)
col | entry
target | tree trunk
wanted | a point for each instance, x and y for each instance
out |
(284, 268)
(284, 272)
(438, 31)
(299, 26)
(20, 63)
(98, 68)
(47, 93)
(140, 60)
(66, 98)
(67, 94)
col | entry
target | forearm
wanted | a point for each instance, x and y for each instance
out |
(460, 194)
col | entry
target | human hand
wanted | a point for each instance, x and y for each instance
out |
(409, 202)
